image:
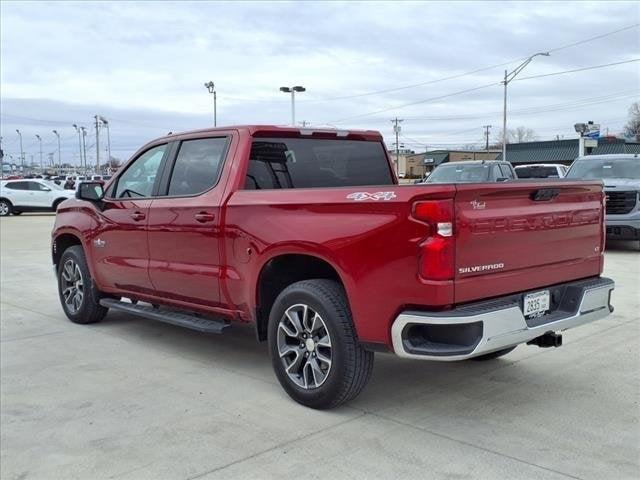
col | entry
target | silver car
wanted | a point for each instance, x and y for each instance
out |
(621, 176)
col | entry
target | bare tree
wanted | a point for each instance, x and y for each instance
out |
(632, 128)
(516, 135)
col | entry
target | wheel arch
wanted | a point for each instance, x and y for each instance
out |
(278, 273)
(61, 243)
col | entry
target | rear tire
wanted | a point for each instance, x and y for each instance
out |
(313, 346)
(5, 208)
(76, 289)
(494, 355)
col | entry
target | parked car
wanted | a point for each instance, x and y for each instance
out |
(472, 171)
(30, 195)
(308, 236)
(541, 170)
(621, 175)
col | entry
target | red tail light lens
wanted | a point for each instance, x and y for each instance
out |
(437, 252)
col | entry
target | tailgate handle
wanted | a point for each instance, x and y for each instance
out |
(544, 194)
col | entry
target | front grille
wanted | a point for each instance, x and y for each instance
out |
(619, 203)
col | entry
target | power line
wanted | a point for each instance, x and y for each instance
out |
(472, 72)
(417, 102)
(577, 70)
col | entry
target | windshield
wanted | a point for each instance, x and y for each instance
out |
(612, 167)
(460, 173)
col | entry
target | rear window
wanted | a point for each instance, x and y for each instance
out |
(311, 163)
(537, 172)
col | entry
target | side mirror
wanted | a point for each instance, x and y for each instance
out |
(90, 191)
(46, 189)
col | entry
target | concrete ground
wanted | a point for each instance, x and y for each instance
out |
(133, 399)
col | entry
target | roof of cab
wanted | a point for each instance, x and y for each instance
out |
(269, 130)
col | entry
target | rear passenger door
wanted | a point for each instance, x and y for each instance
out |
(185, 226)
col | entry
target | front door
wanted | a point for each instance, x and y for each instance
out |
(119, 244)
(184, 225)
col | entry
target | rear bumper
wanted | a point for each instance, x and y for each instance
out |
(484, 327)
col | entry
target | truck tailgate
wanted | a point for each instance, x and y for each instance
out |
(518, 236)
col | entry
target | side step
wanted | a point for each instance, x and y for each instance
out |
(174, 317)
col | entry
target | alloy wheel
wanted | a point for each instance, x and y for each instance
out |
(4, 209)
(304, 346)
(72, 286)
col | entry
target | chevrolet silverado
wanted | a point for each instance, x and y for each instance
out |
(307, 235)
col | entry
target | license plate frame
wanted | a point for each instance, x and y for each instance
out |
(536, 304)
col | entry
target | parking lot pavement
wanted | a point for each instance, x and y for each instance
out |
(132, 399)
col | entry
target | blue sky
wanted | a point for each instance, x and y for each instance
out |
(143, 65)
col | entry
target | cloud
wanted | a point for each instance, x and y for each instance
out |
(143, 65)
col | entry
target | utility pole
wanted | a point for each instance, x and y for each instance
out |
(97, 144)
(40, 141)
(486, 136)
(396, 129)
(55, 132)
(79, 145)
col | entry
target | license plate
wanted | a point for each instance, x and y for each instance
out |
(536, 303)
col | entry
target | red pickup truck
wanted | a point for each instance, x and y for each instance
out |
(307, 235)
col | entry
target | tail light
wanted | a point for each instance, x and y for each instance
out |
(436, 260)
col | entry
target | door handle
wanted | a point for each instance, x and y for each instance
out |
(137, 216)
(204, 217)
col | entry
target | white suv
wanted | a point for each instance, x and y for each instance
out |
(31, 195)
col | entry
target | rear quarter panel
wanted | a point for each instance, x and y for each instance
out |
(372, 244)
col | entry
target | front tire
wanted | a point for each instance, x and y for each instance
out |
(313, 346)
(76, 289)
(5, 208)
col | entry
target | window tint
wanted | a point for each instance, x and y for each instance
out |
(138, 179)
(17, 185)
(197, 166)
(310, 163)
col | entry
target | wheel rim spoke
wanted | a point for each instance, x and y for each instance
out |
(72, 286)
(304, 346)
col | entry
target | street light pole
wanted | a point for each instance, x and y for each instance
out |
(97, 144)
(293, 91)
(212, 89)
(106, 124)
(55, 132)
(21, 151)
(84, 148)
(41, 165)
(508, 77)
(79, 130)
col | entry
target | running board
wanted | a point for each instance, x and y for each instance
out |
(174, 317)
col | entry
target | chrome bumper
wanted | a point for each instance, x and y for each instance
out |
(485, 327)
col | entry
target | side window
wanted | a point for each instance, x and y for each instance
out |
(506, 171)
(138, 179)
(197, 166)
(38, 187)
(17, 186)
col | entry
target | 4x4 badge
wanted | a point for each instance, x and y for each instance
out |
(99, 243)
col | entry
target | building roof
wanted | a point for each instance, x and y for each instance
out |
(554, 151)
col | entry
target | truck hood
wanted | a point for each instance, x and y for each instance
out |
(621, 183)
